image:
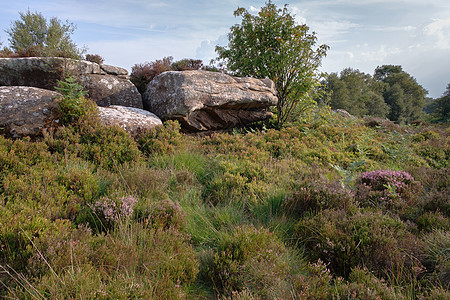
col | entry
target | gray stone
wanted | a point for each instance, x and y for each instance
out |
(204, 101)
(106, 84)
(108, 90)
(132, 120)
(25, 111)
(113, 70)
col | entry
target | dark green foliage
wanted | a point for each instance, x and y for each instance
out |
(271, 45)
(439, 109)
(241, 261)
(73, 104)
(405, 97)
(357, 93)
(33, 35)
(391, 93)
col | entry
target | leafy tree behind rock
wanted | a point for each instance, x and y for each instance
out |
(34, 35)
(271, 45)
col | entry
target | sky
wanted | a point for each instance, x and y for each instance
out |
(362, 34)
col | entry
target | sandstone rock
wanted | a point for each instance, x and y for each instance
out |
(106, 84)
(203, 101)
(108, 90)
(132, 120)
(25, 111)
(113, 70)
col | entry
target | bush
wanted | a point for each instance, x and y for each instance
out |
(186, 65)
(371, 239)
(251, 259)
(73, 105)
(142, 74)
(111, 210)
(317, 195)
(109, 147)
(387, 189)
(95, 58)
(161, 140)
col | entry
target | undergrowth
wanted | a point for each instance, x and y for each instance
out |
(326, 208)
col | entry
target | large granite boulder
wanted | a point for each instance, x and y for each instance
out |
(107, 85)
(205, 101)
(25, 111)
(132, 120)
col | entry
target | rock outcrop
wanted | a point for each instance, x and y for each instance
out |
(132, 120)
(107, 85)
(204, 101)
(25, 111)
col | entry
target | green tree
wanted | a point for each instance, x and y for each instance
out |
(356, 92)
(405, 97)
(33, 35)
(439, 109)
(271, 45)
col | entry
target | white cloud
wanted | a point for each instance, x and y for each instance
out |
(439, 29)
(254, 9)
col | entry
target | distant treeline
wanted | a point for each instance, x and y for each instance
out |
(390, 93)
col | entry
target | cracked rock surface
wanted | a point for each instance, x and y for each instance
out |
(26, 111)
(107, 85)
(205, 101)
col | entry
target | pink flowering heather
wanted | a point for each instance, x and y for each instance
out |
(380, 179)
(113, 210)
(387, 188)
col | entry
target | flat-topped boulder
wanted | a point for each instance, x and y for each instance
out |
(206, 101)
(107, 85)
(26, 111)
(132, 120)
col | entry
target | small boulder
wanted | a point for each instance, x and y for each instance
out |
(132, 120)
(206, 101)
(25, 111)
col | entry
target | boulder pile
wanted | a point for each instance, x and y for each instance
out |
(106, 85)
(201, 101)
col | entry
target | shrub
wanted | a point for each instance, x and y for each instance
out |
(113, 210)
(95, 58)
(164, 214)
(187, 64)
(362, 284)
(142, 74)
(248, 258)
(161, 140)
(109, 147)
(316, 196)
(73, 104)
(387, 189)
(365, 238)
